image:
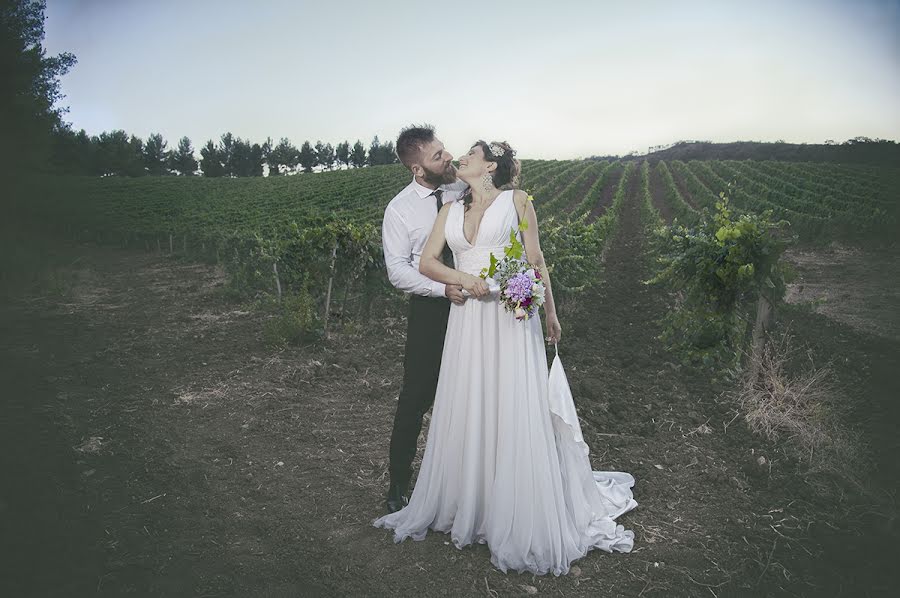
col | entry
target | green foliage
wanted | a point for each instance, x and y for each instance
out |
(571, 249)
(211, 161)
(307, 157)
(682, 209)
(119, 154)
(239, 157)
(283, 158)
(342, 153)
(295, 321)
(298, 254)
(381, 153)
(156, 157)
(649, 214)
(182, 160)
(718, 268)
(30, 87)
(358, 154)
(572, 243)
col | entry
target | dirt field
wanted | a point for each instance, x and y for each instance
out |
(154, 446)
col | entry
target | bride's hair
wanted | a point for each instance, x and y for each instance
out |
(506, 176)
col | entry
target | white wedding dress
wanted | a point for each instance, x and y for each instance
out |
(505, 462)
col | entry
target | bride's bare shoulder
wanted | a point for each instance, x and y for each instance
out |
(520, 197)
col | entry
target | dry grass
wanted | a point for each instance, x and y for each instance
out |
(794, 402)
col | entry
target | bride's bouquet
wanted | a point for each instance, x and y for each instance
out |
(520, 284)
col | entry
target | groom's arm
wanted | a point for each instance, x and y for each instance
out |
(397, 259)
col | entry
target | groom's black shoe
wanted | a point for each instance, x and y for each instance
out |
(396, 498)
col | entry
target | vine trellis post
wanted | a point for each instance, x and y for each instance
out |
(330, 282)
(277, 280)
(765, 317)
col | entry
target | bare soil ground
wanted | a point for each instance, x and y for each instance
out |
(580, 192)
(658, 196)
(682, 188)
(154, 446)
(848, 285)
(606, 195)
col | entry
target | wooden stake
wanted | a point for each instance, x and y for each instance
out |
(765, 315)
(277, 281)
(330, 281)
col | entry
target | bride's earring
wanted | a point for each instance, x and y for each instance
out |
(487, 181)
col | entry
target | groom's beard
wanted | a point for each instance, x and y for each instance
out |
(443, 177)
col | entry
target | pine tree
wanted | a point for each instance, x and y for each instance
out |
(255, 160)
(374, 151)
(226, 154)
(388, 154)
(156, 158)
(283, 158)
(182, 160)
(358, 155)
(307, 157)
(326, 158)
(342, 153)
(211, 161)
(320, 153)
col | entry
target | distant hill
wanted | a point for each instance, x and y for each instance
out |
(861, 150)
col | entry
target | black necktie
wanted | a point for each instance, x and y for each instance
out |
(447, 253)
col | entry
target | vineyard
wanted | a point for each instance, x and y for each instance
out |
(817, 199)
(317, 236)
(306, 231)
(214, 458)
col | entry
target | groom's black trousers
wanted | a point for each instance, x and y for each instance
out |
(426, 327)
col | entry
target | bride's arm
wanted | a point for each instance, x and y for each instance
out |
(536, 257)
(430, 263)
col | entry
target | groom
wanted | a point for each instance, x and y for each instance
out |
(408, 220)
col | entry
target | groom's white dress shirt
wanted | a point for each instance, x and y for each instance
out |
(408, 220)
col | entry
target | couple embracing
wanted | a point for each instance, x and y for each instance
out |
(505, 463)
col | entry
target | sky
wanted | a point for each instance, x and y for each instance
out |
(567, 79)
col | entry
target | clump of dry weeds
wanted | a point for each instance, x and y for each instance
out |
(791, 400)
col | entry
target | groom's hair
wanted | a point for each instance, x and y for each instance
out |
(411, 140)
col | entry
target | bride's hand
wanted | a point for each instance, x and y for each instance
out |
(554, 330)
(476, 286)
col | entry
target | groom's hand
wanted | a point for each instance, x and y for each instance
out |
(454, 294)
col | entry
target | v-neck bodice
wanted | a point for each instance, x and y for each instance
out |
(492, 235)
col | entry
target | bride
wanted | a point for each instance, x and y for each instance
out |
(505, 463)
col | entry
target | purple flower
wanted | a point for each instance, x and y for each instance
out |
(518, 287)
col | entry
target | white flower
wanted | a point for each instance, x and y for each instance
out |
(530, 273)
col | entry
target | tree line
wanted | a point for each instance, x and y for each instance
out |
(117, 153)
(44, 142)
